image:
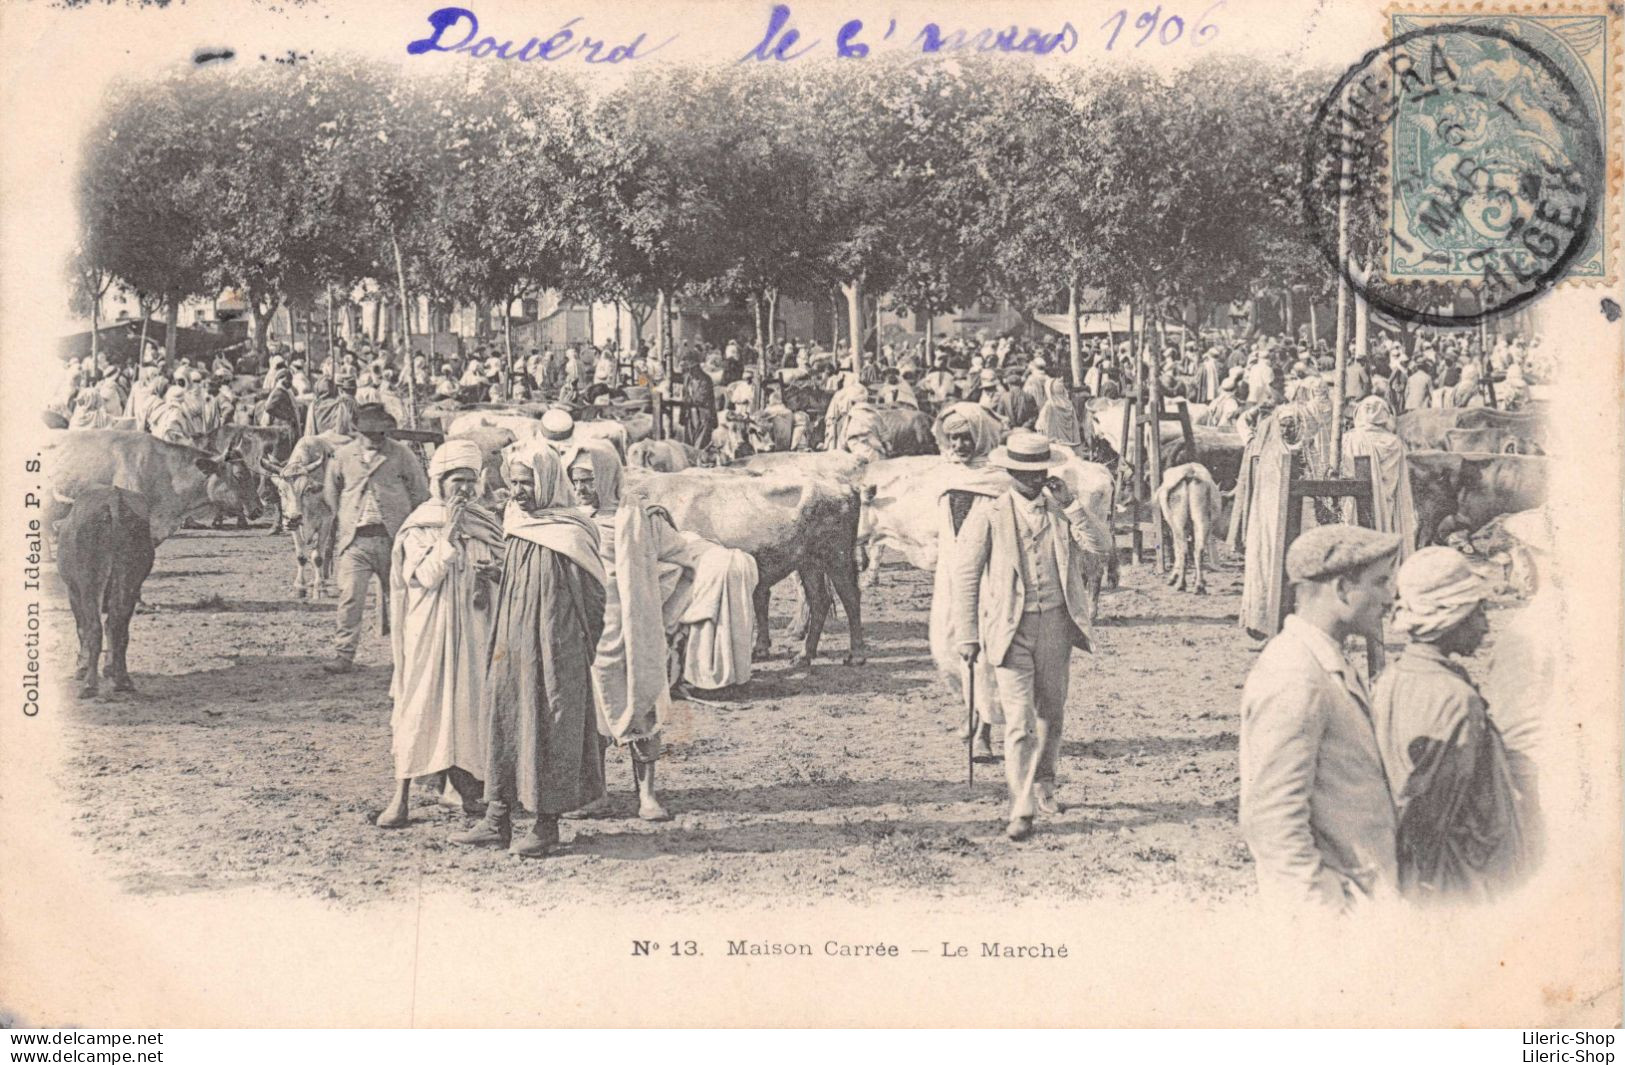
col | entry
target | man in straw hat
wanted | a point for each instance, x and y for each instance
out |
(1460, 829)
(443, 577)
(1315, 807)
(372, 484)
(1021, 596)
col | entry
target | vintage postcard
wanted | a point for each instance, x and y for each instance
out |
(811, 514)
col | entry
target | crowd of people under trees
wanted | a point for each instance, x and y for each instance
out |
(530, 635)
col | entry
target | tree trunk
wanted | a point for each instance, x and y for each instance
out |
(406, 346)
(1340, 355)
(96, 328)
(1286, 313)
(331, 328)
(930, 340)
(617, 304)
(772, 322)
(1362, 327)
(853, 291)
(662, 341)
(835, 319)
(1074, 331)
(1314, 326)
(507, 342)
(172, 331)
(756, 302)
(1154, 439)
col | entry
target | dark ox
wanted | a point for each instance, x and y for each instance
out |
(1460, 493)
(1218, 449)
(788, 522)
(176, 481)
(255, 443)
(104, 553)
(889, 432)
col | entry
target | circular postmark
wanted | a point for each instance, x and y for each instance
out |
(1453, 174)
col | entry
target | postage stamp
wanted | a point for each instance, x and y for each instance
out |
(1498, 76)
(1466, 167)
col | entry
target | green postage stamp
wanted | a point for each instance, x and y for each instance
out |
(1480, 165)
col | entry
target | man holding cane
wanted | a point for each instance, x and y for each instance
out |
(1021, 595)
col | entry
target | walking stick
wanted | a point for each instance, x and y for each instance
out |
(970, 730)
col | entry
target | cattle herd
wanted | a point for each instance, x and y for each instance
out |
(824, 516)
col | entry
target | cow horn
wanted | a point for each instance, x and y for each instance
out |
(269, 467)
(66, 501)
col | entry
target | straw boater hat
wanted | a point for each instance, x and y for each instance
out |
(1025, 450)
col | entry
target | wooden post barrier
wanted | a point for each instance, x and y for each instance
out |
(1182, 415)
(1290, 524)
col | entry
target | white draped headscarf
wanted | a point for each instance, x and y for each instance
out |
(1437, 591)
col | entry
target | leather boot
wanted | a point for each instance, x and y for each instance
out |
(496, 830)
(540, 841)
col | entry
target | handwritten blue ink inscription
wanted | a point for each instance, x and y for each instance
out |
(1168, 29)
(783, 41)
(570, 39)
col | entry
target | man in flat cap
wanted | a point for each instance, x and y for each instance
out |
(372, 484)
(1315, 808)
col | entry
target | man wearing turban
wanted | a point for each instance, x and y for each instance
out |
(659, 583)
(542, 751)
(966, 433)
(1460, 834)
(446, 563)
(1375, 437)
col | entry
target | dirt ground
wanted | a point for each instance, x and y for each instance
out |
(239, 762)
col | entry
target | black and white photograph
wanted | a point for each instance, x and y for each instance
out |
(813, 515)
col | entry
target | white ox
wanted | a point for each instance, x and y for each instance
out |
(1191, 505)
(523, 427)
(1107, 417)
(900, 506)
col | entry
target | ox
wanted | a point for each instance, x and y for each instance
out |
(175, 480)
(1427, 428)
(1490, 442)
(662, 456)
(105, 552)
(1510, 540)
(255, 443)
(309, 520)
(900, 509)
(1460, 493)
(1218, 449)
(524, 426)
(1191, 505)
(789, 522)
(887, 432)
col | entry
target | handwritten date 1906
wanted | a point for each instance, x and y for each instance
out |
(1169, 29)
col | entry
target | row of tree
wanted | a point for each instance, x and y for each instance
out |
(931, 184)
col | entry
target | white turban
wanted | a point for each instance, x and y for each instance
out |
(454, 455)
(1437, 591)
(557, 424)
